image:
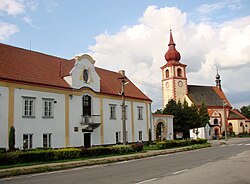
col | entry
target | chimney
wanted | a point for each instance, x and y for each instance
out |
(122, 72)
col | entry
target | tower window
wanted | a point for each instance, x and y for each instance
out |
(167, 73)
(179, 72)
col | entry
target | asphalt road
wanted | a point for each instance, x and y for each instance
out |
(228, 163)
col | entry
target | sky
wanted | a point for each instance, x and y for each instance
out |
(133, 35)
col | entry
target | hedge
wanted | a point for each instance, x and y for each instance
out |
(48, 155)
(180, 143)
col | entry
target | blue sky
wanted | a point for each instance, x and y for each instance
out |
(133, 35)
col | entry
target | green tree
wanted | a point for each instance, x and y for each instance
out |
(245, 110)
(191, 118)
(185, 117)
(158, 111)
(203, 113)
(176, 110)
(12, 138)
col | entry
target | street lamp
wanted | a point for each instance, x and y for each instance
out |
(122, 93)
(225, 119)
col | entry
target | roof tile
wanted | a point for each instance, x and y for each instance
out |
(32, 67)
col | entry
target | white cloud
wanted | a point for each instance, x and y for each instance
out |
(212, 7)
(140, 50)
(19, 9)
(11, 7)
(7, 30)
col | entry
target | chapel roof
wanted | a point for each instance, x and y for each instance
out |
(210, 95)
(34, 68)
(234, 114)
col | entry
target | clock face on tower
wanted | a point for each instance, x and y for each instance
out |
(180, 83)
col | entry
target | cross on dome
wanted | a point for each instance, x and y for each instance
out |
(172, 55)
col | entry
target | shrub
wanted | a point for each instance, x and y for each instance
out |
(8, 158)
(202, 141)
(137, 147)
(118, 149)
(12, 138)
(179, 143)
(67, 153)
(2, 150)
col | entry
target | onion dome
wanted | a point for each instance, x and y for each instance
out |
(172, 55)
(217, 76)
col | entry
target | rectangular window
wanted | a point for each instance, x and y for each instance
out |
(140, 135)
(47, 140)
(28, 107)
(75, 129)
(118, 137)
(48, 108)
(27, 141)
(112, 108)
(140, 114)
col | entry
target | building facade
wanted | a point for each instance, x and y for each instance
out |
(175, 86)
(55, 102)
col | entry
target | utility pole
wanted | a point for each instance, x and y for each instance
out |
(225, 119)
(122, 93)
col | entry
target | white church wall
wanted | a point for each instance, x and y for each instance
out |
(38, 125)
(112, 125)
(140, 124)
(4, 104)
(75, 118)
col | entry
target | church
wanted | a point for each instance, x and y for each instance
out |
(175, 86)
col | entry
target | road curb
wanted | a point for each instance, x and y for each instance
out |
(69, 165)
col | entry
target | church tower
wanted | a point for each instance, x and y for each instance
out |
(174, 81)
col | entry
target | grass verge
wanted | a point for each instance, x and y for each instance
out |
(68, 164)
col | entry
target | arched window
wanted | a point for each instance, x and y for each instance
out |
(230, 127)
(167, 73)
(241, 124)
(215, 121)
(179, 72)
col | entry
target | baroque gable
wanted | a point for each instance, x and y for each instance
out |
(83, 74)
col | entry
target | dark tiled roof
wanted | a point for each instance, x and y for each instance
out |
(29, 67)
(198, 94)
(234, 114)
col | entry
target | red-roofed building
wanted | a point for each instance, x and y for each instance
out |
(174, 86)
(55, 102)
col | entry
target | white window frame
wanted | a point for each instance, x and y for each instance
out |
(112, 111)
(29, 107)
(29, 141)
(140, 136)
(140, 112)
(48, 108)
(118, 137)
(47, 140)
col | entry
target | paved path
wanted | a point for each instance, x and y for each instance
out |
(90, 162)
(181, 166)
